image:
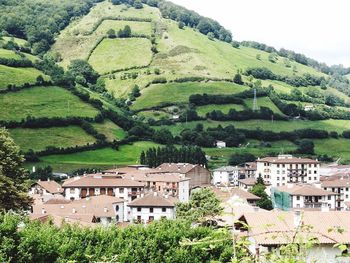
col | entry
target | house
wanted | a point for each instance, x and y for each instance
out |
(101, 209)
(334, 169)
(309, 107)
(283, 169)
(270, 230)
(45, 189)
(250, 198)
(341, 187)
(220, 144)
(302, 196)
(172, 184)
(226, 175)
(246, 184)
(199, 175)
(152, 207)
(99, 184)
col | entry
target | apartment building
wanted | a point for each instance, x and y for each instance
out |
(226, 175)
(341, 187)
(283, 169)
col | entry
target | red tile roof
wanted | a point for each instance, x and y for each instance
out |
(93, 181)
(152, 200)
(292, 160)
(50, 186)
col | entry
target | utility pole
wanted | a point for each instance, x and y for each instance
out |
(255, 102)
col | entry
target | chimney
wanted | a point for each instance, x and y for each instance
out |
(297, 218)
(62, 206)
(105, 209)
(74, 210)
(155, 194)
(43, 211)
(133, 178)
(84, 206)
(48, 179)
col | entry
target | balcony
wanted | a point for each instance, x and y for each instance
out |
(316, 205)
(174, 187)
(134, 193)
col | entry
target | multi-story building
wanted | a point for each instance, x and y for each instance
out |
(46, 189)
(98, 184)
(283, 169)
(226, 175)
(341, 187)
(199, 175)
(152, 207)
(248, 170)
(302, 196)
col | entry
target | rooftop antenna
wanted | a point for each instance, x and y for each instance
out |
(255, 102)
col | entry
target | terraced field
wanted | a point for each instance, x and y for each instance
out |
(18, 76)
(137, 28)
(43, 102)
(39, 139)
(110, 130)
(180, 92)
(263, 102)
(116, 54)
(203, 110)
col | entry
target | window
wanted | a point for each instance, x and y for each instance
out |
(309, 171)
(278, 166)
(139, 209)
(117, 208)
(315, 172)
(346, 189)
(278, 171)
(278, 178)
(346, 196)
(283, 178)
(298, 205)
(315, 178)
(315, 165)
(283, 165)
(163, 209)
(329, 197)
(72, 190)
(121, 190)
(298, 197)
(310, 178)
(117, 218)
(151, 210)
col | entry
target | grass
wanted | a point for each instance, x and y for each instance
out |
(277, 126)
(107, 157)
(157, 115)
(110, 130)
(139, 28)
(5, 53)
(18, 76)
(43, 102)
(18, 41)
(336, 148)
(225, 108)
(116, 54)
(39, 139)
(78, 34)
(263, 102)
(180, 92)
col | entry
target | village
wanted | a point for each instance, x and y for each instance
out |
(303, 192)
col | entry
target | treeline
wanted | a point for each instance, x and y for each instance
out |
(263, 113)
(154, 157)
(39, 21)
(186, 17)
(18, 63)
(300, 58)
(296, 81)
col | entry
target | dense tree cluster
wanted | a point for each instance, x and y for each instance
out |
(259, 190)
(154, 157)
(158, 242)
(263, 113)
(38, 21)
(241, 158)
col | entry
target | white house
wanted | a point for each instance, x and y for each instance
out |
(341, 188)
(45, 189)
(226, 175)
(152, 207)
(267, 230)
(283, 169)
(302, 196)
(220, 144)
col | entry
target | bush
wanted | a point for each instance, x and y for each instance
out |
(346, 134)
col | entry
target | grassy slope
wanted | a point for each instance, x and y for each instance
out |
(18, 76)
(116, 54)
(337, 148)
(111, 130)
(139, 28)
(203, 110)
(107, 157)
(180, 92)
(329, 125)
(43, 102)
(77, 35)
(263, 102)
(39, 139)
(19, 41)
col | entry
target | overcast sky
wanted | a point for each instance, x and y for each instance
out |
(316, 28)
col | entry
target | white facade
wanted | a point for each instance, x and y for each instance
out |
(184, 191)
(286, 169)
(148, 214)
(314, 202)
(342, 195)
(226, 176)
(220, 144)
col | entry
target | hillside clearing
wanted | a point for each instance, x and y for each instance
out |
(43, 102)
(116, 54)
(110, 130)
(225, 108)
(39, 139)
(263, 102)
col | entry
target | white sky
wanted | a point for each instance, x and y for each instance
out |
(316, 28)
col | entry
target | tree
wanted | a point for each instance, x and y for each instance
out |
(111, 33)
(80, 67)
(306, 146)
(138, 4)
(240, 158)
(163, 136)
(13, 178)
(203, 203)
(235, 44)
(126, 32)
(238, 79)
(346, 134)
(181, 25)
(259, 190)
(211, 35)
(136, 91)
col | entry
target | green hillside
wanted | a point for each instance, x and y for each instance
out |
(118, 85)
